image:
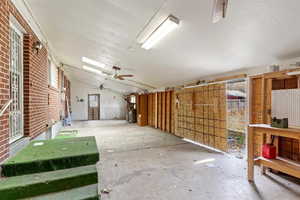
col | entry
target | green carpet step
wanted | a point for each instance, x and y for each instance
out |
(50, 155)
(89, 192)
(47, 182)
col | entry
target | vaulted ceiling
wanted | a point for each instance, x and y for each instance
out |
(255, 33)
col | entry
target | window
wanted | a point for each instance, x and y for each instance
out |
(132, 99)
(53, 71)
(16, 83)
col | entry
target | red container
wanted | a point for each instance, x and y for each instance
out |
(269, 151)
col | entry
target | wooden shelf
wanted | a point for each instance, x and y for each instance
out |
(280, 164)
(260, 132)
(283, 132)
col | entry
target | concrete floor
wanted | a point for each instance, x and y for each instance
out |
(142, 163)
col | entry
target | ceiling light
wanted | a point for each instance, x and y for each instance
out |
(161, 31)
(92, 62)
(90, 69)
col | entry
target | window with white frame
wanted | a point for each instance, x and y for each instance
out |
(16, 82)
(53, 72)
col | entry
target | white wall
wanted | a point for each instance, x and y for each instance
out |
(112, 104)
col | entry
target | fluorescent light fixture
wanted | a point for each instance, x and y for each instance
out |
(90, 69)
(293, 73)
(92, 62)
(161, 31)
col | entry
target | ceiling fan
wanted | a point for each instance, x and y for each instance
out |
(219, 10)
(102, 88)
(118, 76)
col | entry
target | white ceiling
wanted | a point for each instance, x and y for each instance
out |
(255, 33)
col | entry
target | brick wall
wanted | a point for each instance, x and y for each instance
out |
(35, 90)
(4, 77)
(54, 104)
(42, 104)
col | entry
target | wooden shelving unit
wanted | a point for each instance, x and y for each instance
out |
(280, 164)
(258, 135)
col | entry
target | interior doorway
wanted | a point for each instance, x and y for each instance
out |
(94, 107)
(236, 117)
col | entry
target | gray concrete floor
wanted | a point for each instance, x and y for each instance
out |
(142, 163)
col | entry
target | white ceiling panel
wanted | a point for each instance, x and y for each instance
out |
(255, 33)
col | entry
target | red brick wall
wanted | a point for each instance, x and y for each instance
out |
(41, 104)
(54, 105)
(4, 76)
(35, 90)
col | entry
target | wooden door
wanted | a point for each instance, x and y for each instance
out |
(94, 107)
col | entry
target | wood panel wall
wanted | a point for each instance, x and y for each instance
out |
(142, 110)
(201, 115)
(160, 110)
(198, 114)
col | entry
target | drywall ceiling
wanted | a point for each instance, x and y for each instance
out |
(255, 33)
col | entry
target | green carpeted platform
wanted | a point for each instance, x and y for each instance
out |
(89, 192)
(50, 155)
(48, 182)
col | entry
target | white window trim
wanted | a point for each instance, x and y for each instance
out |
(53, 75)
(14, 24)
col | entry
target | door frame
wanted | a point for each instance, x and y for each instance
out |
(98, 104)
(13, 25)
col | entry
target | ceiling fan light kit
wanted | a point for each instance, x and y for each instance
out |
(167, 26)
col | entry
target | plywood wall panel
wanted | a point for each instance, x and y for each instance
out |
(150, 110)
(163, 111)
(173, 111)
(156, 109)
(142, 110)
(201, 115)
(168, 111)
(159, 114)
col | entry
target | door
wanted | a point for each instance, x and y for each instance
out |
(16, 85)
(94, 107)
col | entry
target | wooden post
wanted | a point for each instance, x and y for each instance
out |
(156, 110)
(264, 139)
(263, 96)
(250, 154)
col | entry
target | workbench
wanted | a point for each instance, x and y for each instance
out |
(258, 134)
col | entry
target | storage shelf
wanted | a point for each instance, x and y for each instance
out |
(280, 164)
(281, 132)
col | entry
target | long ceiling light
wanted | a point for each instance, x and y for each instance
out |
(92, 62)
(90, 69)
(161, 31)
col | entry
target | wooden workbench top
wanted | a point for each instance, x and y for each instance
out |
(267, 126)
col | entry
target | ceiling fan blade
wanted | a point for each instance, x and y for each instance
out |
(219, 10)
(126, 75)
